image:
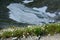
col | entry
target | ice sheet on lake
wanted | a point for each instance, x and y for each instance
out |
(23, 14)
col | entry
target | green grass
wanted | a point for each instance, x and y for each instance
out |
(6, 34)
(18, 33)
(51, 29)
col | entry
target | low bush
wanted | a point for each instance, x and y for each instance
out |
(51, 29)
(18, 33)
(6, 34)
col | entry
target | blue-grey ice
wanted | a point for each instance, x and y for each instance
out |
(23, 14)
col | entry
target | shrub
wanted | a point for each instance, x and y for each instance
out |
(52, 28)
(18, 33)
(28, 31)
(7, 34)
(37, 31)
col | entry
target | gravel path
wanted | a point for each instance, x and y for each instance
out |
(55, 37)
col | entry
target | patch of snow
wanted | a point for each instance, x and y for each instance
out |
(42, 9)
(51, 14)
(27, 1)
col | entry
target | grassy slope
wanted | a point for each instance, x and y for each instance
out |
(35, 30)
